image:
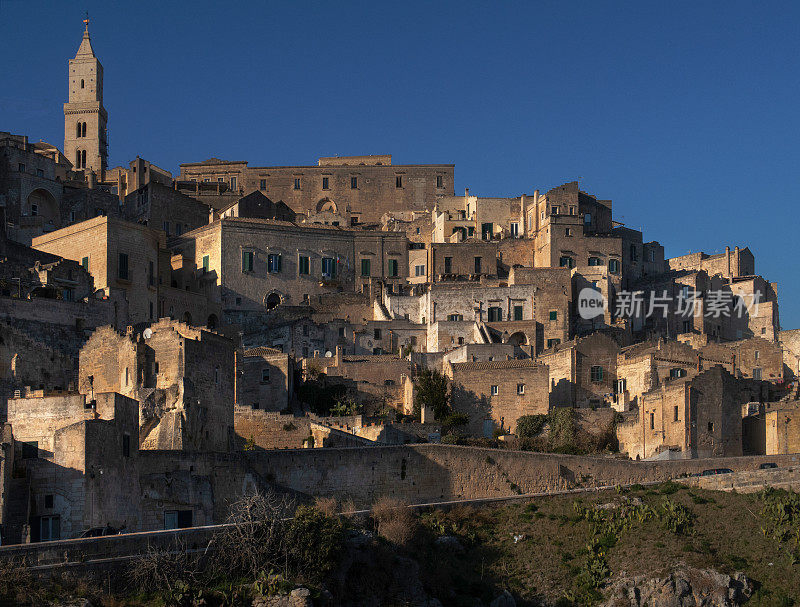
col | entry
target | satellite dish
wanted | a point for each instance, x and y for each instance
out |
(328, 354)
(148, 333)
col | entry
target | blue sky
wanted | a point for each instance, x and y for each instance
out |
(685, 114)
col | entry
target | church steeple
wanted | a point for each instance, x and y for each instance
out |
(85, 49)
(85, 118)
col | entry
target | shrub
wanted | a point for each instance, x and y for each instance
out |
(529, 426)
(314, 543)
(327, 505)
(394, 521)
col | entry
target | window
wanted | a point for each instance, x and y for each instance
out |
(487, 231)
(398, 181)
(265, 375)
(39, 172)
(710, 426)
(326, 183)
(494, 390)
(495, 314)
(34, 210)
(572, 210)
(122, 270)
(439, 181)
(554, 210)
(305, 351)
(757, 373)
(652, 420)
(304, 265)
(478, 263)
(377, 351)
(651, 255)
(328, 267)
(216, 375)
(634, 252)
(567, 231)
(151, 274)
(620, 386)
(81, 82)
(514, 230)
(305, 330)
(48, 502)
(341, 331)
(394, 271)
(206, 263)
(49, 528)
(220, 179)
(553, 342)
(126, 445)
(613, 266)
(178, 229)
(177, 519)
(297, 183)
(520, 388)
(596, 373)
(273, 263)
(83, 158)
(262, 185)
(247, 261)
(233, 184)
(471, 231)
(165, 227)
(448, 265)
(455, 317)
(587, 219)
(566, 262)
(518, 312)
(21, 167)
(755, 354)
(30, 449)
(419, 270)
(553, 314)
(595, 261)
(677, 373)
(354, 183)
(675, 414)
(366, 267)
(376, 333)
(85, 263)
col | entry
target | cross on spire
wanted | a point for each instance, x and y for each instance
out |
(86, 21)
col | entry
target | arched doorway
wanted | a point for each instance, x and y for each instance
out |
(187, 318)
(272, 301)
(518, 339)
(43, 203)
(212, 322)
(326, 205)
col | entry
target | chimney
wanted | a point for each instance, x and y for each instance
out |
(728, 262)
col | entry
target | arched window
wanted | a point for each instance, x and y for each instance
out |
(83, 159)
(77, 159)
(83, 130)
(78, 130)
(81, 82)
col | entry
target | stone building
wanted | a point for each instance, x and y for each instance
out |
(120, 256)
(164, 208)
(85, 118)
(79, 456)
(182, 377)
(262, 263)
(458, 218)
(689, 418)
(256, 206)
(264, 379)
(494, 394)
(30, 189)
(361, 188)
(130, 261)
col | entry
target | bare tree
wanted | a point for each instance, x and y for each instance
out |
(253, 540)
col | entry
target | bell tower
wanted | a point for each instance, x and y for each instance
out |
(85, 118)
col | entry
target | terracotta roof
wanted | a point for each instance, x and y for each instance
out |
(262, 351)
(516, 363)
